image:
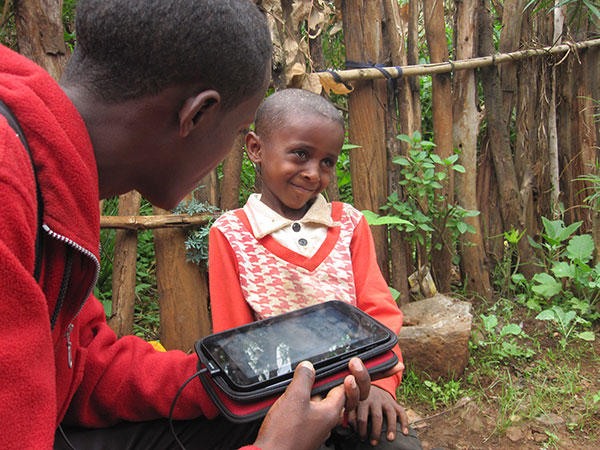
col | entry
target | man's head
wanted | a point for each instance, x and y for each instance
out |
(164, 87)
(129, 49)
(296, 143)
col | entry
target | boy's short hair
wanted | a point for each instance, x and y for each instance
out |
(274, 111)
(129, 49)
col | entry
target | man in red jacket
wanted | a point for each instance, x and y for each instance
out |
(152, 99)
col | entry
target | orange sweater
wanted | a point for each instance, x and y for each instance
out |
(252, 279)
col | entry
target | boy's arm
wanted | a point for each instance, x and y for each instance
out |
(373, 294)
(228, 306)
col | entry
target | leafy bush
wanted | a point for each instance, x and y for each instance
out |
(421, 211)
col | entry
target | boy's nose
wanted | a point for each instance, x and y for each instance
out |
(311, 172)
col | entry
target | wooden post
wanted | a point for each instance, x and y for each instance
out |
(367, 106)
(401, 117)
(473, 261)
(231, 182)
(182, 286)
(41, 35)
(435, 31)
(124, 269)
(510, 199)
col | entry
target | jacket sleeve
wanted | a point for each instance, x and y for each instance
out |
(127, 379)
(229, 308)
(373, 294)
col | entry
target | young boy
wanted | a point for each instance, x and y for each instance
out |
(288, 248)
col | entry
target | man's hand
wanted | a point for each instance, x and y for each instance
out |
(295, 422)
(378, 407)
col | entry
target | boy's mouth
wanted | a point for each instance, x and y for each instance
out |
(304, 189)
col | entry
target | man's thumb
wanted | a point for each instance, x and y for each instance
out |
(304, 377)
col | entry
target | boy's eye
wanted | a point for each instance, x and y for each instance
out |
(328, 162)
(301, 154)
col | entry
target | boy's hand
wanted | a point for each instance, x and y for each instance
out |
(296, 422)
(379, 406)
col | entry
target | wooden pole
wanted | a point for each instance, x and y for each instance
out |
(401, 118)
(231, 181)
(124, 269)
(450, 66)
(435, 31)
(473, 258)
(367, 106)
(182, 286)
(510, 199)
(133, 222)
(40, 34)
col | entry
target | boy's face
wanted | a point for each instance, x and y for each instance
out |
(296, 161)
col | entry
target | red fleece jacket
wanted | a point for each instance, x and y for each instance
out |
(109, 380)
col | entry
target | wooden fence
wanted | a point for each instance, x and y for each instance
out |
(541, 114)
(182, 286)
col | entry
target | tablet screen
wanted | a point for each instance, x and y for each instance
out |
(271, 348)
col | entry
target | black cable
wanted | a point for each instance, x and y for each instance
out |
(60, 428)
(173, 406)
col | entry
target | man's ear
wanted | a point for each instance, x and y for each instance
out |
(195, 109)
(253, 147)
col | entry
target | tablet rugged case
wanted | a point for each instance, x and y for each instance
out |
(243, 406)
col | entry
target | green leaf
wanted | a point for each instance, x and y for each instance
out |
(533, 243)
(489, 322)
(405, 138)
(518, 278)
(436, 159)
(459, 168)
(451, 159)
(401, 161)
(580, 248)
(461, 227)
(546, 314)
(563, 269)
(428, 174)
(568, 231)
(547, 286)
(586, 336)
(107, 307)
(350, 146)
(511, 328)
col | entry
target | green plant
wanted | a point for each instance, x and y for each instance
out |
(196, 243)
(569, 280)
(502, 344)
(566, 322)
(506, 277)
(415, 389)
(421, 211)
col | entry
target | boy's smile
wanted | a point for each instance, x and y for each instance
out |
(296, 161)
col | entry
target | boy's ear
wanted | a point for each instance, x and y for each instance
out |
(253, 147)
(195, 109)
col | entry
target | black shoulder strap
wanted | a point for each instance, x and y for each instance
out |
(14, 124)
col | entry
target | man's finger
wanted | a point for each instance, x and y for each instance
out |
(361, 377)
(301, 385)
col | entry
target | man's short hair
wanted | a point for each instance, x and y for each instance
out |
(278, 107)
(129, 49)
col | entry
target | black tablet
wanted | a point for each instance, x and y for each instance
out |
(262, 356)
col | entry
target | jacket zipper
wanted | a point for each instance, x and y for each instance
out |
(90, 255)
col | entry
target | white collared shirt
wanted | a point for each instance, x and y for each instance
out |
(303, 236)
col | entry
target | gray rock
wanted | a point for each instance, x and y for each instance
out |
(435, 336)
